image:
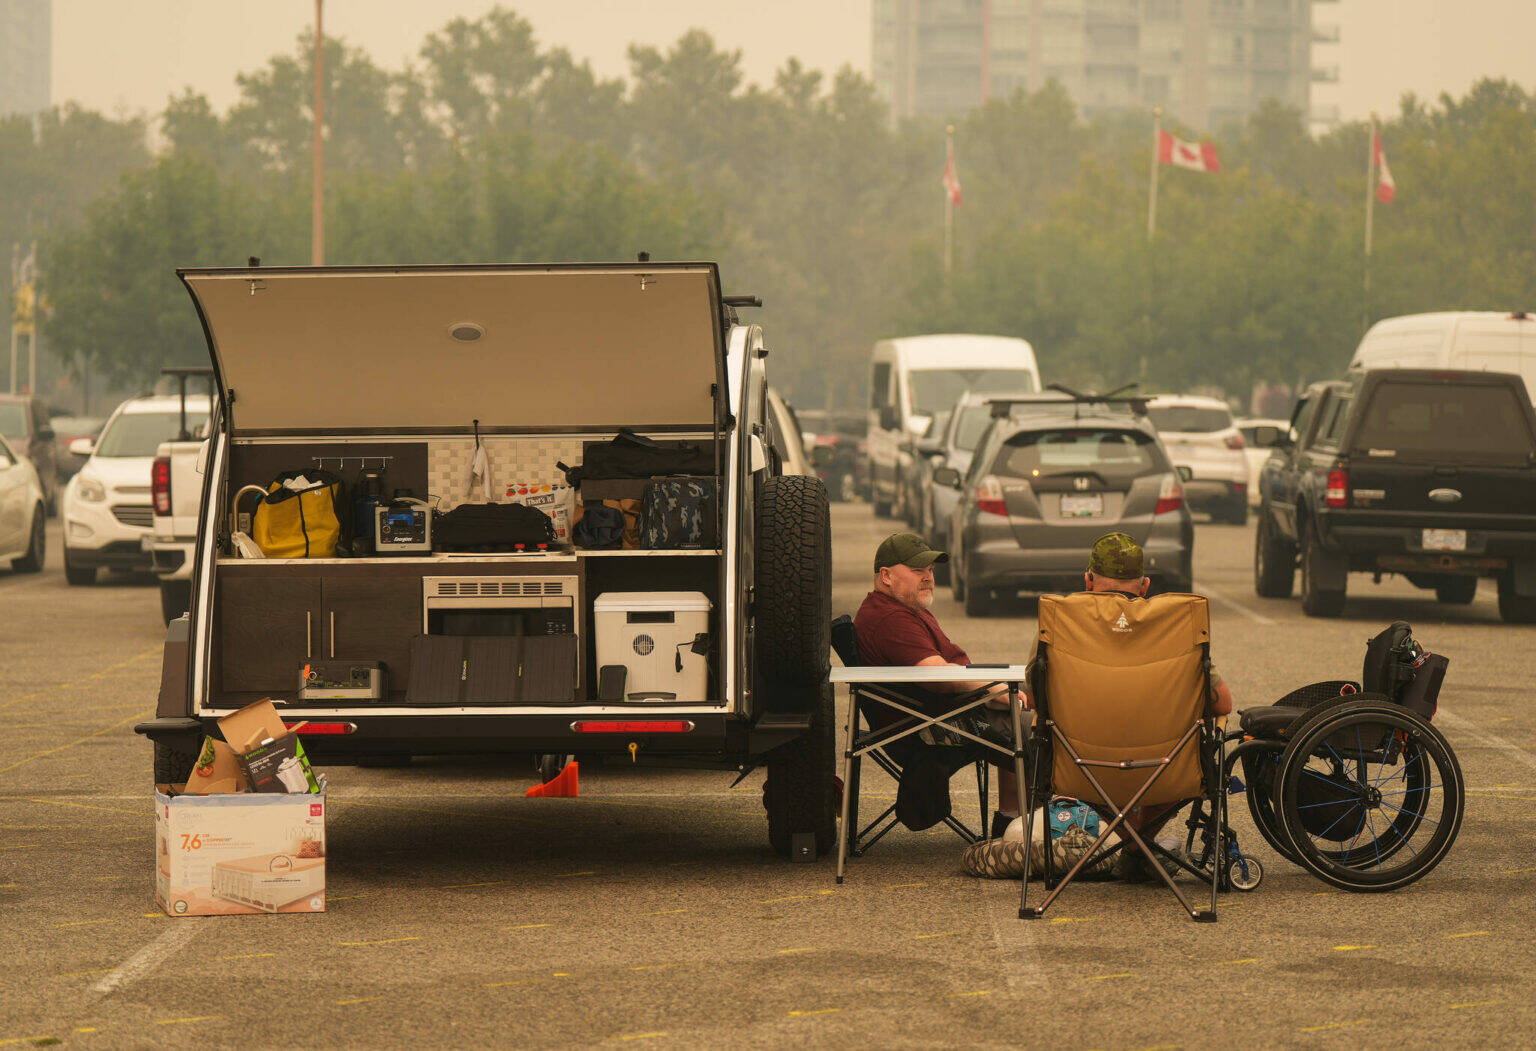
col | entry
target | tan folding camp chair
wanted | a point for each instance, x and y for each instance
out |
(1122, 693)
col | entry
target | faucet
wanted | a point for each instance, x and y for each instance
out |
(234, 505)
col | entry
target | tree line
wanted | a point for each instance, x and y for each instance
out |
(493, 148)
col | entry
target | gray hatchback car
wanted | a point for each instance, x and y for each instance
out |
(1041, 488)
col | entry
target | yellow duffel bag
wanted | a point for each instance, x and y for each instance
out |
(303, 522)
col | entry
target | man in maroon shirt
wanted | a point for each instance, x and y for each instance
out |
(896, 629)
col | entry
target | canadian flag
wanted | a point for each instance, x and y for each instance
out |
(1386, 189)
(1196, 156)
(951, 177)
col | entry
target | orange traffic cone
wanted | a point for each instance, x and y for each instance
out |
(563, 786)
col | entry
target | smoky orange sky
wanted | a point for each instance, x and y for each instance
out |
(130, 56)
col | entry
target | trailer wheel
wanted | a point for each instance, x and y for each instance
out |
(793, 586)
(800, 791)
(173, 765)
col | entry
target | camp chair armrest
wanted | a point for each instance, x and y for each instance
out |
(1124, 764)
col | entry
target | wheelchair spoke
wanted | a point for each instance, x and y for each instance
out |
(1410, 813)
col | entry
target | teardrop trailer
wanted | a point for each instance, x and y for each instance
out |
(405, 371)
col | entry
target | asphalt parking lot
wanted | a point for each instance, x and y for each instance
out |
(650, 909)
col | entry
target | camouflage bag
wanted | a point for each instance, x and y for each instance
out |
(678, 513)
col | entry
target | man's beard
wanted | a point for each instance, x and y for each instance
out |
(924, 599)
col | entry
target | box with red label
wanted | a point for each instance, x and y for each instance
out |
(239, 853)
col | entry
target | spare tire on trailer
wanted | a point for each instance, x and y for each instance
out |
(792, 589)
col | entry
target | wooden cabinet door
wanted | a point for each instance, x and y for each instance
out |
(268, 626)
(374, 620)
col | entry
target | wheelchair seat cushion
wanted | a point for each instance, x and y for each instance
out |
(1274, 720)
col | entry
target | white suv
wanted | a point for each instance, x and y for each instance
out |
(107, 512)
(1200, 435)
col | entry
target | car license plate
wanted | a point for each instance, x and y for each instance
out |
(1445, 540)
(1082, 506)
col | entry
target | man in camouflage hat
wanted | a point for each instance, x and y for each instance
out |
(1115, 564)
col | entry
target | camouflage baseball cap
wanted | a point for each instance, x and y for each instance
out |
(906, 549)
(1117, 556)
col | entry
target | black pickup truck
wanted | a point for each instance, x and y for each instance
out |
(1427, 473)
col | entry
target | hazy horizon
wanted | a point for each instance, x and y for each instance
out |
(129, 58)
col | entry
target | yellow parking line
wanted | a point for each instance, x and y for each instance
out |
(488, 883)
(86, 806)
(1351, 948)
(978, 992)
(790, 952)
(52, 690)
(359, 1000)
(381, 941)
(1474, 1003)
(820, 1011)
(940, 934)
(1467, 934)
(85, 1029)
(23, 846)
(566, 875)
(248, 956)
(1229, 963)
(796, 897)
(664, 912)
(638, 1036)
(899, 886)
(1330, 1025)
(29, 1040)
(651, 967)
(1513, 872)
(1073, 919)
(71, 744)
(1106, 977)
(185, 1021)
(86, 923)
(526, 926)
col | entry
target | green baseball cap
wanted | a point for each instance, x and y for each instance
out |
(1117, 556)
(906, 549)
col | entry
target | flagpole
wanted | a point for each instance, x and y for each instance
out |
(1370, 217)
(1157, 140)
(949, 204)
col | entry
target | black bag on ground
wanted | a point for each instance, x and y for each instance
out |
(630, 455)
(492, 527)
(678, 513)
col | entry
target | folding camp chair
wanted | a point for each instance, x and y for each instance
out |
(893, 742)
(1122, 695)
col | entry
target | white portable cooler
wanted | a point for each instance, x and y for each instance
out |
(651, 633)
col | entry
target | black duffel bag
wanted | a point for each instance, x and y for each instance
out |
(630, 455)
(492, 527)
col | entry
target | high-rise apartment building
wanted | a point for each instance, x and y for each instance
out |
(26, 43)
(1203, 61)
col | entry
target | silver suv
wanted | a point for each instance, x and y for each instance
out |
(408, 371)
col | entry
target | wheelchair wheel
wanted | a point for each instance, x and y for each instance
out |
(1369, 798)
(1244, 873)
(1260, 769)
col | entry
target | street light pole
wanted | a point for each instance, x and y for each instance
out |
(317, 208)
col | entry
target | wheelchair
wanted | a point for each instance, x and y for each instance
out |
(1347, 779)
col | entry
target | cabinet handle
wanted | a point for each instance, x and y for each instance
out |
(308, 636)
(333, 634)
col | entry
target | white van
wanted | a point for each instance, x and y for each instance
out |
(1483, 341)
(913, 379)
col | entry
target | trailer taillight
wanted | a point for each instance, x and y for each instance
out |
(650, 726)
(322, 728)
(160, 484)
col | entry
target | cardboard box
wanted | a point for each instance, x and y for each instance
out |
(239, 854)
(217, 770)
(270, 753)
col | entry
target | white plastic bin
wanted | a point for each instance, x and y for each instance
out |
(651, 634)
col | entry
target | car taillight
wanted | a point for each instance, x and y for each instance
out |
(1338, 488)
(160, 484)
(655, 726)
(1235, 442)
(1170, 497)
(989, 497)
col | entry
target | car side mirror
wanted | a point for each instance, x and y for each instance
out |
(1268, 437)
(1185, 473)
(948, 477)
(889, 421)
(82, 446)
(822, 455)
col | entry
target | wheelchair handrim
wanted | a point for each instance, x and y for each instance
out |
(1401, 798)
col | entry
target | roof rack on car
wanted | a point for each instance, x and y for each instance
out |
(1138, 404)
